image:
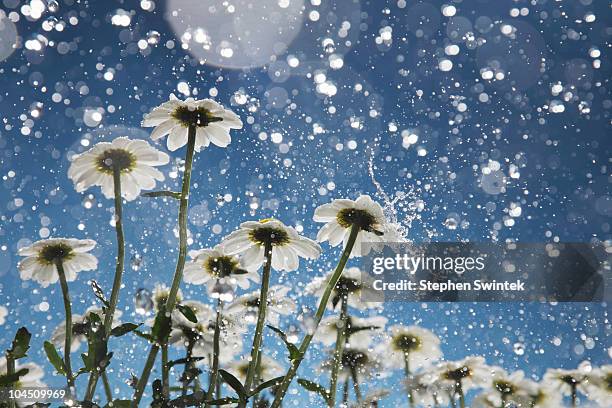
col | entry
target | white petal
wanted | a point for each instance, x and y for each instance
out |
(218, 135)
(163, 129)
(177, 138)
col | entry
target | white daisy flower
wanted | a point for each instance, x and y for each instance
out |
(362, 362)
(3, 314)
(372, 399)
(135, 159)
(212, 266)
(288, 246)
(42, 257)
(412, 345)
(213, 122)
(466, 374)
(540, 395)
(599, 386)
(361, 330)
(568, 382)
(31, 380)
(509, 389)
(245, 307)
(355, 286)
(79, 328)
(202, 333)
(269, 369)
(428, 393)
(341, 214)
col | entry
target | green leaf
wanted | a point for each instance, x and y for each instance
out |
(163, 193)
(314, 387)
(352, 330)
(294, 353)
(183, 361)
(21, 344)
(267, 384)
(125, 328)
(146, 336)
(161, 327)
(188, 313)
(223, 401)
(54, 358)
(118, 403)
(99, 293)
(6, 379)
(234, 383)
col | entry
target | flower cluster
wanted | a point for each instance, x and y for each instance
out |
(211, 332)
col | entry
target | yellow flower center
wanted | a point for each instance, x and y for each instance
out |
(264, 235)
(52, 253)
(407, 342)
(348, 217)
(458, 374)
(222, 266)
(119, 159)
(199, 117)
(504, 387)
(354, 359)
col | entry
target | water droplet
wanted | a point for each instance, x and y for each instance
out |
(143, 301)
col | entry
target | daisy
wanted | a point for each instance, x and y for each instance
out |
(412, 347)
(359, 336)
(426, 393)
(371, 399)
(134, 159)
(541, 395)
(31, 380)
(79, 328)
(269, 369)
(212, 267)
(341, 214)
(174, 117)
(356, 287)
(245, 307)
(509, 388)
(568, 382)
(3, 314)
(43, 257)
(463, 375)
(356, 362)
(599, 386)
(160, 296)
(201, 334)
(287, 245)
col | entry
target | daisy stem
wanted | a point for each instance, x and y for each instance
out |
(180, 262)
(356, 384)
(337, 361)
(10, 370)
(114, 298)
(165, 371)
(261, 316)
(68, 310)
(215, 361)
(331, 284)
(107, 388)
(408, 376)
(188, 365)
(574, 395)
(461, 396)
(345, 392)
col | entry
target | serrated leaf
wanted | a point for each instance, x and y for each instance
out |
(21, 344)
(223, 401)
(6, 379)
(125, 328)
(145, 336)
(54, 358)
(294, 352)
(352, 330)
(99, 293)
(267, 384)
(314, 387)
(188, 313)
(164, 193)
(234, 383)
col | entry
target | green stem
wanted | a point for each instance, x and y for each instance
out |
(461, 396)
(10, 370)
(356, 384)
(119, 266)
(165, 372)
(337, 360)
(180, 262)
(574, 395)
(186, 374)
(408, 377)
(331, 284)
(215, 361)
(68, 310)
(345, 392)
(107, 388)
(261, 316)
